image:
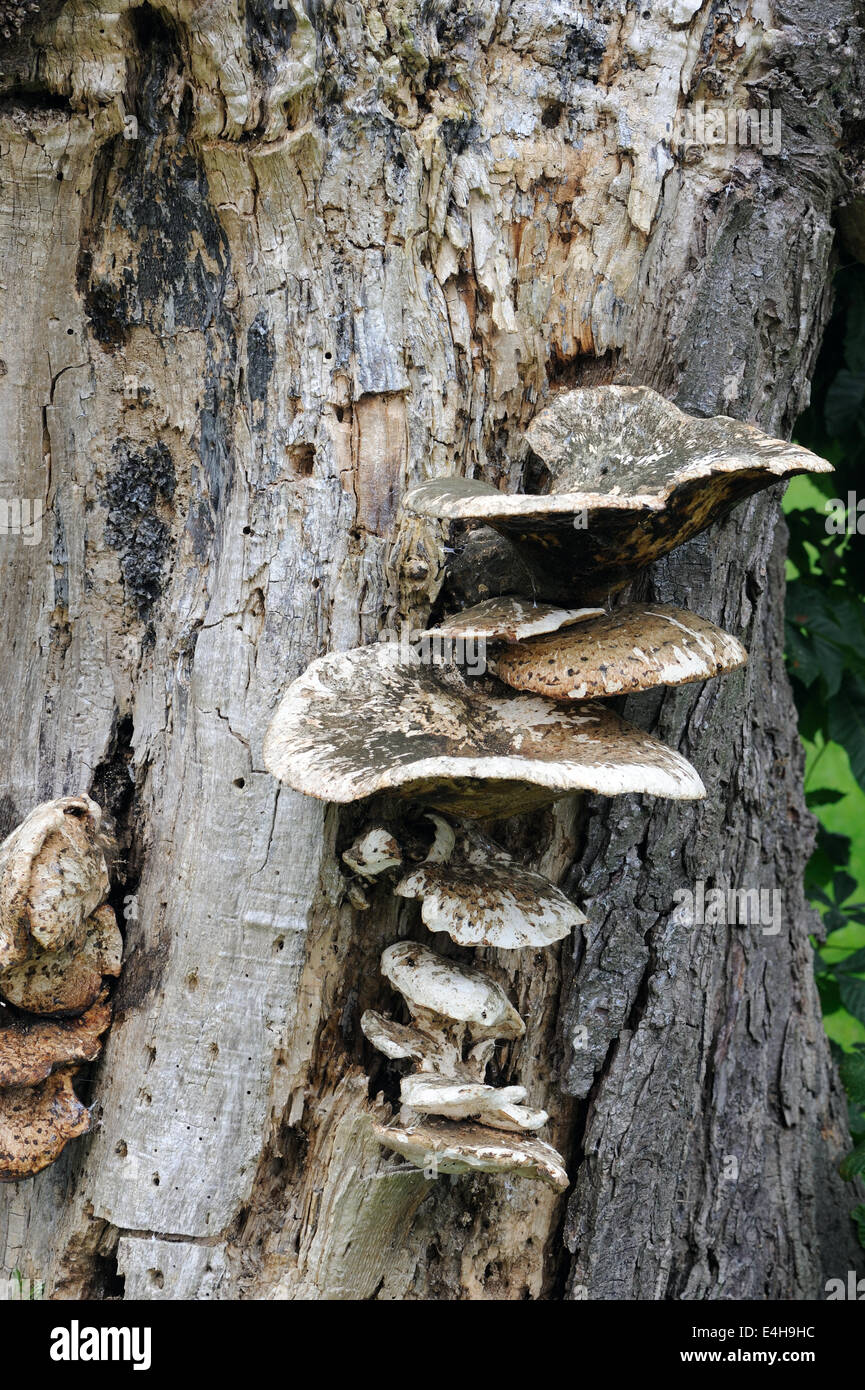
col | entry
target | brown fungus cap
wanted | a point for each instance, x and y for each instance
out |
(636, 475)
(509, 619)
(67, 981)
(53, 875)
(36, 1123)
(30, 1049)
(462, 1147)
(633, 648)
(377, 719)
(501, 905)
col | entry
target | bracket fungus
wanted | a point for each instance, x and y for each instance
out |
(30, 1049)
(441, 1146)
(373, 853)
(457, 1015)
(509, 619)
(36, 1123)
(633, 648)
(630, 478)
(69, 980)
(448, 997)
(623, 478)
(376, 719)
(501, 905)
(58, 940)
(53, 875)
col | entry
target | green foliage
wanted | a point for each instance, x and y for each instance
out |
(825, 650)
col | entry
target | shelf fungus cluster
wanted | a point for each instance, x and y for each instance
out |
(58, 941)
(627, 477)
(450, 1120)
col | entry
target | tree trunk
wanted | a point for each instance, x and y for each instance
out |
(262, 270)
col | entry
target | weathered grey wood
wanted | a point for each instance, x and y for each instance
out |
(346, 250)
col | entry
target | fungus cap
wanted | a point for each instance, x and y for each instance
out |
(435, 986)
(638, 474)
(36, 1123)
(501, 905)
(462, 1147)
(451, 1097)
(70, 980)
(376, 719)
(53, 875)
(633, 648)
(373, 852)
(31, 1048)
(509, 619)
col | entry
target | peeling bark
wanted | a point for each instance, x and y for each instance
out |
(262, 270)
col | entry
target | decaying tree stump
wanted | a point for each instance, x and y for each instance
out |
(262, 269)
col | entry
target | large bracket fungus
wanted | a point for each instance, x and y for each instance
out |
(633, 648)
(58, 940)
(376, 719)
(451, 1121)
(628, 477)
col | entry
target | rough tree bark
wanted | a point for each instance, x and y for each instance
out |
(262, 269)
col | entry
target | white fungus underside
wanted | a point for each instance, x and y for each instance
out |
(462, 1147)
(500, 1107)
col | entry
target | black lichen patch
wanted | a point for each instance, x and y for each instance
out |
(584, 51)
(259, 356)
(269, 31)
(151, 218)
(138, 495)
(459, 133)
(155, 255)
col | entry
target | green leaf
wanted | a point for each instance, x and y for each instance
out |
(844, 402)
(847, 727)
(843, 884)
(853, 1076)
(830, 995)
(825, 796)
(802, 657)
(858, 1215)
(854, 962)
(852, 991)
(837, 847)
(854, 1163)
